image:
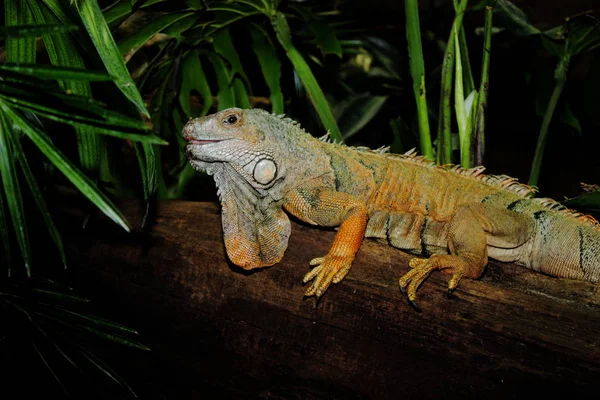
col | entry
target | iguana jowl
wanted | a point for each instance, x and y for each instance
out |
(264, 164)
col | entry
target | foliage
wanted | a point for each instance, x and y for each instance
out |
(51, 320)
(123, 79)
(469, 104)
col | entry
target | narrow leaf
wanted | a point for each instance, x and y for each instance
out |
(62, 163)
(194, 79)
(63, 52)
(130, 44)
(306, 76)
(514, 18)
(54, 72)
(589, 202)
(39, 198)
(6, 256)
(33, 31)
(117, 11)
(359, 112)
(50, 369)
(270, 65)
(145, 155)
(12, 191)
(483, 89)
(223, 45)
(98, 30)
(95, 361)
(325, 37)
(21, 49)
(225, 95)
(417, 71)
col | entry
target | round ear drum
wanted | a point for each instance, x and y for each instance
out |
(265, 171)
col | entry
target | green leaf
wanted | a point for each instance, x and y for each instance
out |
(33, 31)
(148, 3)
(12, 191)
(567, 116)
(146, 159)
(178, 28)
(117, 11)
(325, 37)
(50, 369)
(130, 44)
(64, 14)
(386, 55)
(22, 49)
(417, 71)
(193, 78)
(5, 251)
(590, 202)
(64, 314)
(63, 52)
(98, 30)
(194, 4)
(223, 45)
(76, 111)
(269, 64)
(62, 163)
(313, 89)
(96, 362)
(358, 112)
(513, 18)
(225, 96)
(54, 72)
(396, 147)
(39, 199)
(583, 34)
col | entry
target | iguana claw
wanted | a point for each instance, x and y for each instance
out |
(414, 305)
(423, 267)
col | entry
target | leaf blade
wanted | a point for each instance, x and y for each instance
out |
(12, 191)
(62, 163)
(99, 33)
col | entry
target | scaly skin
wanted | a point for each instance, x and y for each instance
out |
(264, 164)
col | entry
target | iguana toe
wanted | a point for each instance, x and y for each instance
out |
(454, 281)
(423, 267)
(327, 270)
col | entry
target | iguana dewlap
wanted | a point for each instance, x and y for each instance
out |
(264, 164)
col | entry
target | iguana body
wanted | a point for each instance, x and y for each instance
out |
(264, 164)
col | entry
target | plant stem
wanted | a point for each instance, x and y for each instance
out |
(417, 69)
(483, 89)
(468, 82)
(444, 141)
(560, 77)
(311, 85)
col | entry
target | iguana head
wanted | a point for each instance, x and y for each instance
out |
(239, 139)
(255, 157)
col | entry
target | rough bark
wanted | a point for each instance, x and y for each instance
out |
(243, 334)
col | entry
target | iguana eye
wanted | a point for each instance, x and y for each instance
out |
(231, 119)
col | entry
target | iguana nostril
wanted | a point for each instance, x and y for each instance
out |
(188, 130)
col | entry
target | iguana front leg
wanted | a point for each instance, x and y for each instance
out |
(474, 229)
(326, 207)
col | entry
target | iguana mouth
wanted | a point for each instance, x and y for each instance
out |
(204, 141)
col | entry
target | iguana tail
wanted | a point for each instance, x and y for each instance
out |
(566, 246)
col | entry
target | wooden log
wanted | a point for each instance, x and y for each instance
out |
(252, 334)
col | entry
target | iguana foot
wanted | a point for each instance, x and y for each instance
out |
(422, 267)
(329, 269)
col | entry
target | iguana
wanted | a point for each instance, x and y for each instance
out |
(264, 164)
